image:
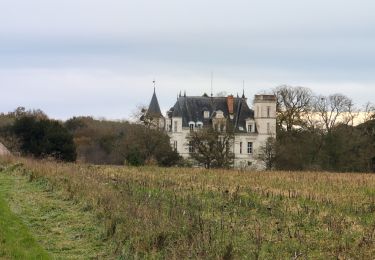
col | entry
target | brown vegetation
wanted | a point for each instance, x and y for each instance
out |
(178, 213)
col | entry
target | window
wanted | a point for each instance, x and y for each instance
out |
(175, 126)
(240, 147)
(268, 128)
(175, 145)
(206, 114)
(268, 111)
(191, 147)
(199, 125)
(249, 128)
(249, 147)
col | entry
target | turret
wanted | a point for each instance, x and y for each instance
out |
(265, 114)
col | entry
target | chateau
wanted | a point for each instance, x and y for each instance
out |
(251, 127)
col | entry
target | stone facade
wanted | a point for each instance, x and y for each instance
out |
(3, 150)
(252, 127)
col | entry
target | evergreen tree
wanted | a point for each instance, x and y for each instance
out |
(44, 137)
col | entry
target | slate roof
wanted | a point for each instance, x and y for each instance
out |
(154, 108)
(192, 108)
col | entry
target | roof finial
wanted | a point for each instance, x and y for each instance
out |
(154, 83)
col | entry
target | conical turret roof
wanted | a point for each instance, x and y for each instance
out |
(154, 108)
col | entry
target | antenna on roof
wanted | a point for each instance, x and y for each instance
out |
(243, 88)
(212, 76)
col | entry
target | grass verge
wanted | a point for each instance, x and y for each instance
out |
(16, 242)
(37, 217)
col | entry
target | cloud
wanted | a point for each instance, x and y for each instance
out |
(99, 58)
(64, 93)
(142, 17)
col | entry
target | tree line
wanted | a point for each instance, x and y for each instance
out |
(316, 132)
(85, 139)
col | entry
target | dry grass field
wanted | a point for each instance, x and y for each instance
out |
(175, 213)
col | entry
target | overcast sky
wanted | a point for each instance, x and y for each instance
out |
(99, 58)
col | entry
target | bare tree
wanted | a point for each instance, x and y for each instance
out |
(267, 153)
(293, 105)
(368, 112)
(222, 94)
(140, 116)
(137, 113)
(351, 114)
(211, 147)
(331, 109)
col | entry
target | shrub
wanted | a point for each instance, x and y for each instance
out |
(44, 137)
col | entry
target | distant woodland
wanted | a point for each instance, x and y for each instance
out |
(84, 139)
(314, 132)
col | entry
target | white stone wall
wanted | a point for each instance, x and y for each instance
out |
(182, 142)
(3, 150)
(242, 159)
(179, 134)
(265, 117)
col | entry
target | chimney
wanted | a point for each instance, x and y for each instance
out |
(230, 104)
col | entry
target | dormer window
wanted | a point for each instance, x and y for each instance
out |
(191, 125)
(250, 126)
(219, 114)
(206, 114)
